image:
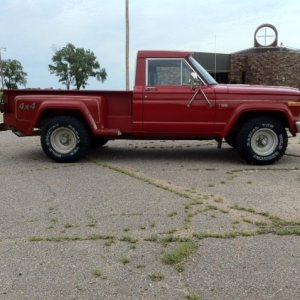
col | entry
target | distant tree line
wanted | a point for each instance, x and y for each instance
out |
(12, 73)
(73, 66)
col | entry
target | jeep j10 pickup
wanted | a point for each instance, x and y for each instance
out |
(173, 98)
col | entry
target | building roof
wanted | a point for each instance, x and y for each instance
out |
(256, 50)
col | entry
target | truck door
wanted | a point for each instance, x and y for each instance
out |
(167, 95)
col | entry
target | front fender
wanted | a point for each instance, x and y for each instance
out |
(245, 110)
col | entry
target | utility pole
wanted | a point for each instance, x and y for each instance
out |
(127, 43)
(1, 69)
(215, 57)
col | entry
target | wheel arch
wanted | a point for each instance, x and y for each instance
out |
(48, 114)
(235, 124)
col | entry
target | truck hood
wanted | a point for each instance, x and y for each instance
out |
(261, 90)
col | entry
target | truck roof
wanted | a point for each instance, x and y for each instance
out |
(163, 54)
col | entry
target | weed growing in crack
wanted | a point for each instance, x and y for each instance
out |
(124, 260)
(152, 238)
(156, 276)
(172, 214)
(69, 225)
(192, 296)
(36, 239)
(97, 272)
(140, 266)
(95, 237)
(180, 253)
(128, 239)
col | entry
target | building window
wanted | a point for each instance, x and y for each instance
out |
(243, 77)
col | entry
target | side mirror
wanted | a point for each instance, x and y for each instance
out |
(194, 80)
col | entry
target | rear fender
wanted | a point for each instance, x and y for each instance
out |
(30, 110)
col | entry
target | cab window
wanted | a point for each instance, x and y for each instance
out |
(168, 72)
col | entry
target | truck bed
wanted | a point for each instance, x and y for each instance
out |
(109, 109)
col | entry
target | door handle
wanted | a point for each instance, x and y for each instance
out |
(151, 88)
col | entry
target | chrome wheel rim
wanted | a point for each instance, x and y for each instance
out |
(63, 140)
(264, 142)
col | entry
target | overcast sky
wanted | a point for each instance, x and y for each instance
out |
(32, 30)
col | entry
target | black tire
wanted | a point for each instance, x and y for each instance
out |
(97, 142)
(230, 140)
(65, 139)
(261, 141)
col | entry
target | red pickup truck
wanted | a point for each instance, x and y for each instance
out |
(173, 98)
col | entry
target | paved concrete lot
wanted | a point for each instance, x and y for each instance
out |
(148, 220)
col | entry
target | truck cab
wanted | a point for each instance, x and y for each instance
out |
(163, 83)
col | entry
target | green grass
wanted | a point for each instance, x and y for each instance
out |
(192, 296)
(179, 253)
(109, 242)
(152, 238)
(62, 239)
(124, 260)
(153, 224)
(156, 276)
(68, 225)
(172, 214)
(169, 239)
(36, 239)
(95, 237)
(128, 239)
(279, 227)
(97, 272)
(204, 235)
(140, 266)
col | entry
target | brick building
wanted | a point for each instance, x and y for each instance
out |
(265, 63)
(268, 65)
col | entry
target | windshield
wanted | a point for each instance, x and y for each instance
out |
(204, 74)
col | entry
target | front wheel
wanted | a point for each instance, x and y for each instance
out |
(262, 141)
(65, 139)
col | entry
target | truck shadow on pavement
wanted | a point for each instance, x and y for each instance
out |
(187, 154)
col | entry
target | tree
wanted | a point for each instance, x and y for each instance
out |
(13, 73)
(75, 65)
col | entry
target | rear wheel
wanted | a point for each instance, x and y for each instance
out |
(261, 141)
(65, 139)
